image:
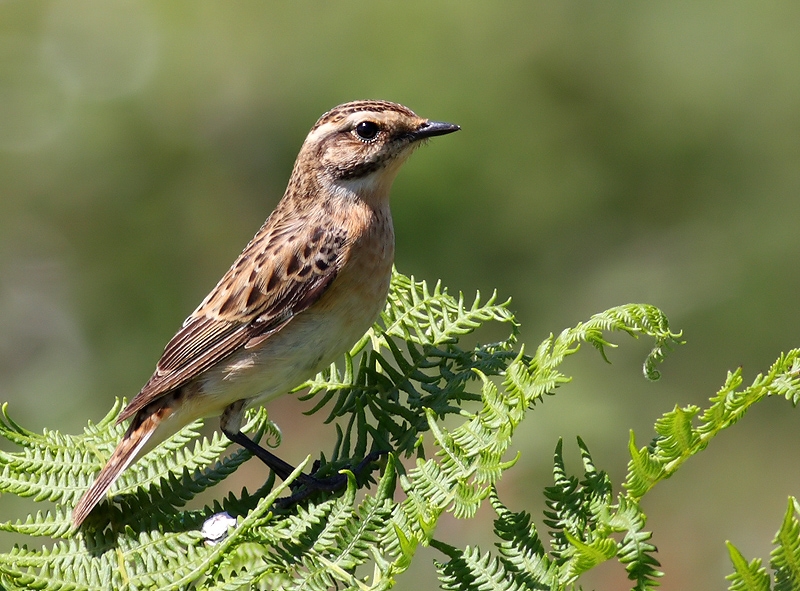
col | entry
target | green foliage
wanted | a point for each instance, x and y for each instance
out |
(449, 410)
(678, 439)
(784, 559)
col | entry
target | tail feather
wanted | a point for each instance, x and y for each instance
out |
(132, 442)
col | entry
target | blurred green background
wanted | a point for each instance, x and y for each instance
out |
(610, 153)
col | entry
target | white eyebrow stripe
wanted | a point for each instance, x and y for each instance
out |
(321, 131)
(348, 121)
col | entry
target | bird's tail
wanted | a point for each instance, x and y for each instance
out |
(135, 438)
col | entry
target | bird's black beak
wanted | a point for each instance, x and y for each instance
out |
(432, 128)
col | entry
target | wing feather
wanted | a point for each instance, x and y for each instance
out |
(284, 270)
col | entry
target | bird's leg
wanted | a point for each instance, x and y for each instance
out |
(231, 423)
(277, 465)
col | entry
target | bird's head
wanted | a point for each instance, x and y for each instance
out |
(361, 145)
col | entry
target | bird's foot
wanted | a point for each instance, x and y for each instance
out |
(306, 485)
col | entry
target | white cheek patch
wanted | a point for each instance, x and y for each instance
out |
(375, 183)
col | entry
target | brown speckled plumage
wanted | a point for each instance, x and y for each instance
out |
(306, 287)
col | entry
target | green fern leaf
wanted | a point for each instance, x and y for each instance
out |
(678, 439)
(521, 549)
(635, 550)
(746, 576)
(397, 385)
(785, 558)
(469, 570)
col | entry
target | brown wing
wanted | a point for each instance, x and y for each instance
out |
(283, 271)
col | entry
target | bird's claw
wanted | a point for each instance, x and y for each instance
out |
(305, 485)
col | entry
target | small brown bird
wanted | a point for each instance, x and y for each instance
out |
(307, 286)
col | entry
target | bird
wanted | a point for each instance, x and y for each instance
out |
(308, 285)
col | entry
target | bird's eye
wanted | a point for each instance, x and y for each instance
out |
(367, 130)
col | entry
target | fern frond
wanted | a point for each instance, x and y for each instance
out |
(564, 511)
(521, 550)
(415, 364)
(635, 551)
(469, 570)
(785, 558)
(396, 386)
(49, 466)
(54, 524)
(750, 576)
(414, 313)
(580, 515)
(678, 438)
(533, 378)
